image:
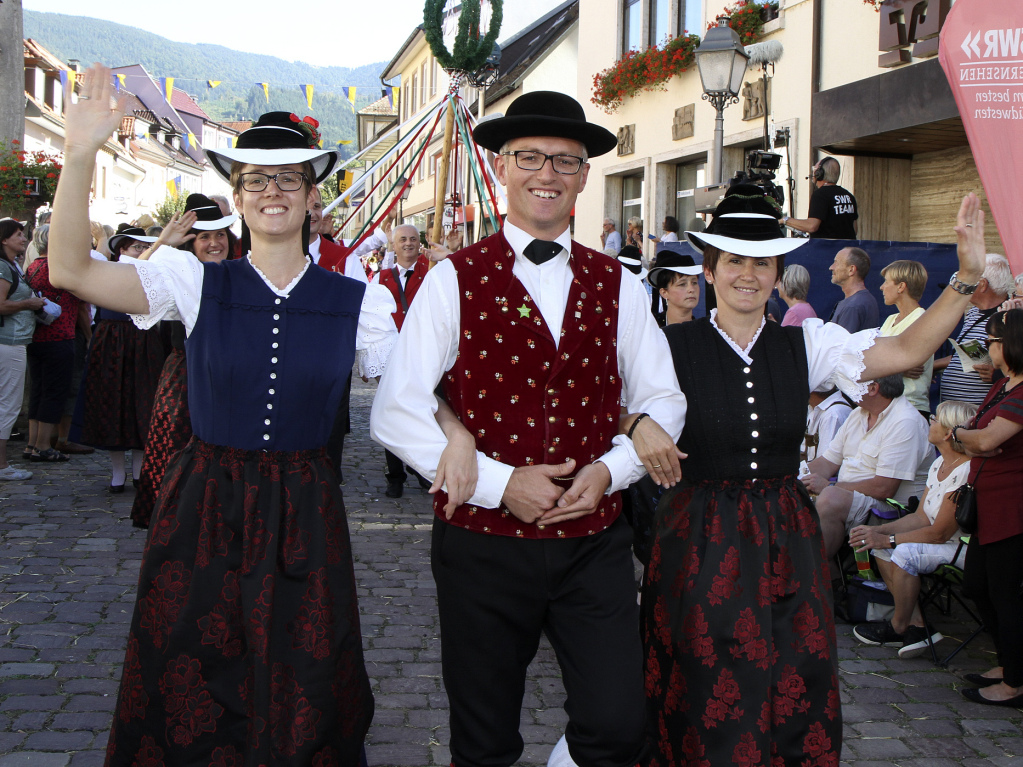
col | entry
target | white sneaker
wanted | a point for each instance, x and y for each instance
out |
(9, 472)
(559, 756)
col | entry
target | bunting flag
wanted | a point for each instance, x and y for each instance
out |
(344, 180)
(67, 76)
(349, 91)
(168, 88)
(212, 83)
(190, 140)
(120, 82)
(392, 95)
(308, 89)
(345, 143)
(266, 91)
(174, 186)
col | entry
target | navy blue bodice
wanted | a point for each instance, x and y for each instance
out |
(267, 372)
(110, 316)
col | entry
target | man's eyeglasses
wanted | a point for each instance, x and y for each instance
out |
(287, 181)
(989, 341)
(565, 164)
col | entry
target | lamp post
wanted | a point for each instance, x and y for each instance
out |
(404, 196)
(721, 59)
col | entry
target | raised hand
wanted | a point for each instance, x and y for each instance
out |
(91, 122)
(969, 229)
(175, 234)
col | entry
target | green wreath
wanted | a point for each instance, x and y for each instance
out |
(469, 52)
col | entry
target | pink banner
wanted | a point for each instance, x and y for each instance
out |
(981, 51)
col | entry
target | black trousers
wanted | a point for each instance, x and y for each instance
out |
(50, 365)
(496, 595)
(994, 579)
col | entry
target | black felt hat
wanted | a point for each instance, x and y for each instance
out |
(277, 138)
(746, 224)
(545, 113)
(127, 232)
(209, 217)
(669, 261)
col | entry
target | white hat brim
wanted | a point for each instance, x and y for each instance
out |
(220, 223)
(692, 271)
(323, 160)
(778, 246)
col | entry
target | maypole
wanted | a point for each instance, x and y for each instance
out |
(468, 59)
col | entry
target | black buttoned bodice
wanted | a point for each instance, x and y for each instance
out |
(743, 421)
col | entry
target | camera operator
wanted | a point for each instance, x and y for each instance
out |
(832, 214)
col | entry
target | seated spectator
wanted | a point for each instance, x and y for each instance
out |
(919, 543)
(903, 287)
(995, 286)
(858, 310)
(826, 413)
(794, 287)
(880, 452)
(670, 233)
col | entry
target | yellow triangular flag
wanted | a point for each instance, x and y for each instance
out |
(191, 140)
(345, 143)
(172, 188)
(266, 91)
(120, 79)
(309, 94)
(168, 88)
(212, 83)
(350, 95)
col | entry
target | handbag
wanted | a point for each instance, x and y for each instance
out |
(966, 504)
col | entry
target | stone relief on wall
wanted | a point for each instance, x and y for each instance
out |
(754, 101)
(626, 139)
(682, 125)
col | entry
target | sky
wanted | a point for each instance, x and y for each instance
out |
(316, 36)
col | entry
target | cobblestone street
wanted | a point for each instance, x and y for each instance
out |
(69, 560)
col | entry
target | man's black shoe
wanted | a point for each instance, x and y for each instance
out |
(394, 490)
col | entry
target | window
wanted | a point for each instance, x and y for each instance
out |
(632, 198)
(434, 76)
(412, 96)
(647, 23)
(688, 178)
(422, 83)
(632, 25)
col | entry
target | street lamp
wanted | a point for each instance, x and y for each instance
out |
(404, 196)
(722, 61)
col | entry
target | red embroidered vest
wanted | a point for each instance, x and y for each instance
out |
(525, 400)
(387, 279)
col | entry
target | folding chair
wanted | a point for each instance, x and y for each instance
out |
(941, 588)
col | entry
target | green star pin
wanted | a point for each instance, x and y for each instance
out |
(523, 311)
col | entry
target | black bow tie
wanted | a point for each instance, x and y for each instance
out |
(539, 251)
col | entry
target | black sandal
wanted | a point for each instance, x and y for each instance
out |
(28, 452)
(49, 455)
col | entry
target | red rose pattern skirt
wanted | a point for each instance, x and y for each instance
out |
(170, 428)
(245, 646)
(121, 374)
(738, 630)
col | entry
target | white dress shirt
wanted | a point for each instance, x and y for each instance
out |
(403, 412)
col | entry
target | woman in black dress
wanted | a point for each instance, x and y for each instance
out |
(737, 619)
(203, 231)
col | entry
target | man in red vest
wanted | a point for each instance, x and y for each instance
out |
(403, 280)
(534, 338)
(330, 255)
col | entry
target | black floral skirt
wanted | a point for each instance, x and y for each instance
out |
(119, 385)
(245, 647)
(738, 629)
(170, 428)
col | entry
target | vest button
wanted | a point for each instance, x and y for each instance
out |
(750, 400)
(745, 370)
(749, 384)
(753, 416)
(551, 449)
(539, 527)
(550, 391)
(753, 465)
(276, 331)
(753, 450)
(277, 316)
(277, 301)
(754, 433)
(552, 419)
(266, 437)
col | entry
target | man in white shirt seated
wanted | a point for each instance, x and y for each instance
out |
(880, 452)
(825, 415)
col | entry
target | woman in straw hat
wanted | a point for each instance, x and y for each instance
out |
(737, 619)
(245, 645)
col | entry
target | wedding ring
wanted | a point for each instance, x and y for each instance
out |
(863, 542)
(969, 224)
(86, 98)
(657, 465)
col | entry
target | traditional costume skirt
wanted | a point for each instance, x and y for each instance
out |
(245, 647)
(738, 630)
(120, 380)
(169, 431)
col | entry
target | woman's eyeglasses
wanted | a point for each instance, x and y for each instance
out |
(287, 181)
(989, 341)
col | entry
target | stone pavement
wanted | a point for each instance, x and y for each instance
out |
(69, 561)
